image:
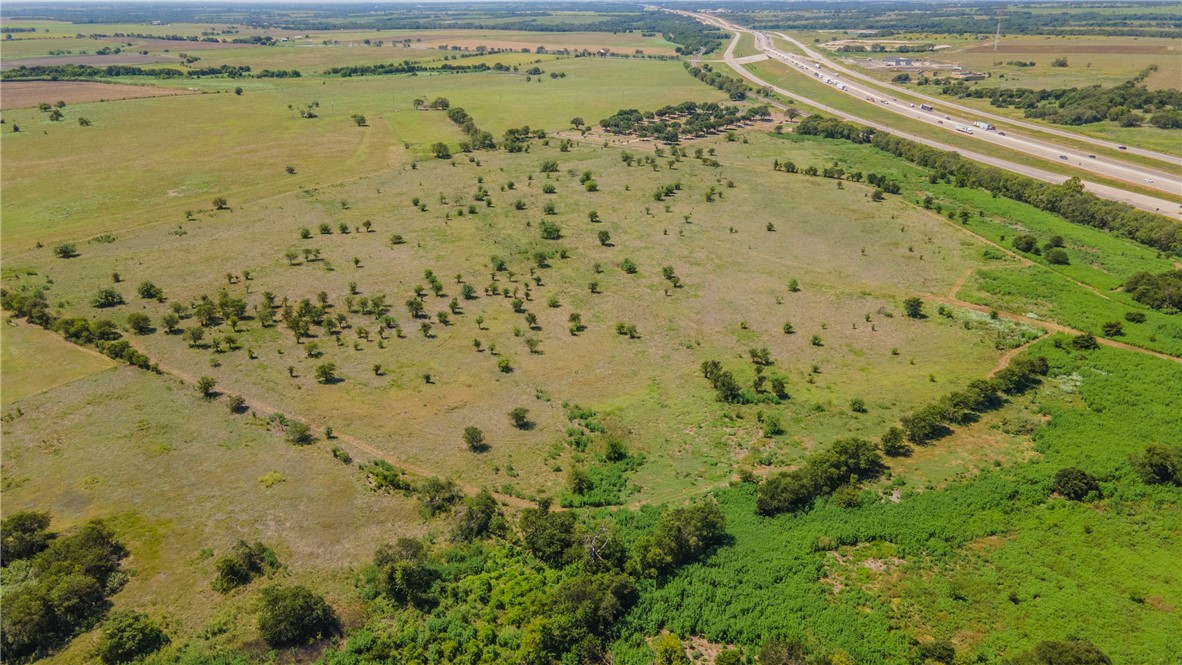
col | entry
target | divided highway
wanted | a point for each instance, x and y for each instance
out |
(1166, 181)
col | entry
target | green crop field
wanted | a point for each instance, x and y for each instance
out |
(347, 385)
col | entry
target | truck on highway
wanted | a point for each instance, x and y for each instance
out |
(926, 107)
(964, 128)
(984, 125)
(843, 87)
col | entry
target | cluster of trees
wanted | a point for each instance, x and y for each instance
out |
(278, 74)
(1081, 106)
(965, 406)
(669, 123)
(736, 88)
(404, 67)
(764, 390)
(1159, 463)
(1163, 291)
(56, 585)
(60, 72)
(30, 303)
(477, 139)
(845, 463)
(1052, 249)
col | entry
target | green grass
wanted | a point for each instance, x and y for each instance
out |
(955, 563)
(35, 360)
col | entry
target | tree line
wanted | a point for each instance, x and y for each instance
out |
(56, 72)
(406, 67)
(736, 88)
(669, 123)
(1068, 200)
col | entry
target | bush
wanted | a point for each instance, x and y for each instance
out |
(106, 297)
(1057, 256)
(474, 438)
(139, 323)
(294, 615)
(149, 291)
(1025, 243)
(1159, 464)
(299, 433)
(242, 565)
(1075, 484)
(1072, 651)
(23, 535)
(65, 250)
(128, 636)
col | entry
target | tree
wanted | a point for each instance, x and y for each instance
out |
(298, 433)
(477, 518)
(1085, 342)
(129, 635)
(440, 150)
(605, 238)
(295, 615)
(205, 386)
(792, 113)
(474, 438)
(219, 203)
(1025, 243)
(1072, 651)
(551, 231)
(194, 335)
(149, 291)
(777, 652)
(913, 308)
(1112, 329)
(519, 416)
(106, 297)
(358, 119)
(238, 91)
(1057, 256)
(1159, 464)
(139, 323)
(404, 571)
(576, 122)
(65, 250)
(1075, 484)
(326, 373)
(22, 535)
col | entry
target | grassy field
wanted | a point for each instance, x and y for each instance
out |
(939, 547)
(186, 173)
(35, 360)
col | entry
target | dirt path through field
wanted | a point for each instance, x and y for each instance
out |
(351, 442)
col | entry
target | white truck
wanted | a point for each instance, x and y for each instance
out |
(984, 125)
(964, 128)
(843, 87)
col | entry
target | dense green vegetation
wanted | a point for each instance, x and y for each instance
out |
(1162, 291)
(1081, 106)
(54, 585)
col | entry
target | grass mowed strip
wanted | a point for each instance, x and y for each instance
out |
(34, 360)
(22, 94)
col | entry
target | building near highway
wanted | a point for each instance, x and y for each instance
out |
(897, 61)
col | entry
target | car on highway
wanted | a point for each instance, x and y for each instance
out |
(1001, 133)
(1062, 156)
(1149, 180)
(940, 122)
(1121, 147)
(1091, 156)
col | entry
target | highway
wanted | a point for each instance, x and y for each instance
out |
(1168, 182)
(1171, 160)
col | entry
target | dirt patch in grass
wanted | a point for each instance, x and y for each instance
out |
(23, 94)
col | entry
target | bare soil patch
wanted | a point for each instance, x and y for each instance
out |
(22, 94)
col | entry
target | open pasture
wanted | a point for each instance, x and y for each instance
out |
(641, 383)
(158, 158)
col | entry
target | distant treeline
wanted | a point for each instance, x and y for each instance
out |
(889, 18)
(1068, 199)
(1162, 291)
(264, 40)
(1081, 106)
(68, 72)
(408, 67)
